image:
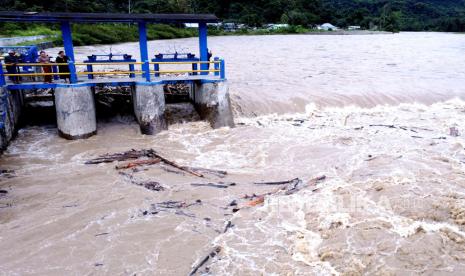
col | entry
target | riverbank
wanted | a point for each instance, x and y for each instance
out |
(346, 32)
(86, 34)
(19, 40)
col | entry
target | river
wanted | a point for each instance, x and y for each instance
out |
(372, 113)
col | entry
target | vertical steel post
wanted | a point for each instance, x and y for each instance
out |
(131, 68)
(68, 45)
(90, 69)
(217, 66)
(2, 76)
(222, 70)
(156, 67)
(144, 56)
(55, 70)
(194, 68)
(203, 47)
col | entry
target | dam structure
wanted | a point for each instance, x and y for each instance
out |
(74, 101)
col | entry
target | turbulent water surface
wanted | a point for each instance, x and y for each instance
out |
(371, 113)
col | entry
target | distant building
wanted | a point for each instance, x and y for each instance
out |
(196, 25)
(353, 28)
(276, 26)
(229, 27)
(327, 27)
(191, 25)
(215, 25)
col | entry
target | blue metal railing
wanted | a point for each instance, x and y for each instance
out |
(199, 68)
(108, 58)
(2, 76)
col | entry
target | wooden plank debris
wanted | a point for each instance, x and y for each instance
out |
(138, 163)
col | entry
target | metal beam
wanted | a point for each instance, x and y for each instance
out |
(144, 55)
(105, 17)
(203, 46)
(69, 50)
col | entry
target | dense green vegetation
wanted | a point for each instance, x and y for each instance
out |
(89, 34)
(405, 15)
(390, 15)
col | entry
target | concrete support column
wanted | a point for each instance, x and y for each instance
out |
(75, 109)
(211, 100)
(11, 103)
(149, 108)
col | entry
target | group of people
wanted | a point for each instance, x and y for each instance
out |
(12, 61)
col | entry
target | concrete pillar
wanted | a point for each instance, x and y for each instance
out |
(6, 131)
(75, 109)
(211, 100)
(11, 103)
(149, 108)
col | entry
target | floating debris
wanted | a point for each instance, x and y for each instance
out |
(292, 186)
(382, 125)
(122, 156)
(70, 205)
(171, 204)
(155, 158)
(138, 163)
(215, 185)
(454, 132)
(210, 255)
(173, 164)
(150, 185)
(7, 173)
(218, 173)
(278, 182)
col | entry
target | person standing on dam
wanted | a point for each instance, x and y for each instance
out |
(62, 58)
(12, 68)
(209, 57)
(47, 69)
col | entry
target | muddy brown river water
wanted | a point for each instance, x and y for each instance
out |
(372, 113)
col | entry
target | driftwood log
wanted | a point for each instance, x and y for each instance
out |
(210, 255)
(154, 159)
(173, 164)
(278, 182)
(122, 156)
(138, 163)
(221, 185)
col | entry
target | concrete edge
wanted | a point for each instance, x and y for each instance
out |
(76, 137)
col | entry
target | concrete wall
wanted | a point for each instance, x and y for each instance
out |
(149, 108)
(75, 107)
(212, 102)
(11, 104)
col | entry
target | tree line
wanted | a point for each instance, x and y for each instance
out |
(391, 15)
